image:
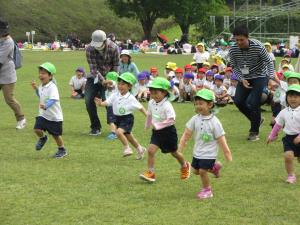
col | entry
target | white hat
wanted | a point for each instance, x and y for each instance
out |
(125, 52)
(98, 38)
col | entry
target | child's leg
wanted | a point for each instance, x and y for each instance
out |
(112, 127)
(152, 149)
(204, 178)
(288, 159)
(196, 172)
(179, 156)
(59, 141)
(132, 140)
(122, 137)
(39, 133)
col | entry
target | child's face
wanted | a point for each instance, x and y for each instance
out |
(206, 67)
(285, 69)
(200, 48)
(209, 78)
(293, 80)
(186, 80)
(202, 107)
(194, 68)
(123, 87)
(125, 58)
(178, 75)
(234, 83)
(218, 83)
(79, 74)
(154, 73)
(200, 75)
(44, 76)
(157, 95)
(293, 100)
(188, 70)
(142, 82)
(214, 70)
(228, 74)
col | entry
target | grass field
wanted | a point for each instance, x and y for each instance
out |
(95, 185)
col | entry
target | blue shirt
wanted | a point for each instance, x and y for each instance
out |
(132, 68)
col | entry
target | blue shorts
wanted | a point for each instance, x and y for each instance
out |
(288, 145)
(166, 139)
(206, 164)
(110, 116)
(125, 122)
(52, 127)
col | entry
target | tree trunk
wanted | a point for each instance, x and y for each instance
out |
(147, 25)
(184, 28)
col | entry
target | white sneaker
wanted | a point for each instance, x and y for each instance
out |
(140, 153)
(127, 152)
(21, 124)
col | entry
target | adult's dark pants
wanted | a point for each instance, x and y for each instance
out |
(248, 101)
(91, 91)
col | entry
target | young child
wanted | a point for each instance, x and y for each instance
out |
(77, 84)
(209, 134)
(153, 73)
(170, 68)
(206, 65)
(200, 80)
(286, 61)
(232, 88)
(209, 81)
(188, 68)
(220, 91)
(110, 84)
(124, 104)
(215, 69)
(161, 116)
(50, 116)
(227, 78)
(189, 89)
(289, 120)
(219, 62)
(142, 89)
(194, 68)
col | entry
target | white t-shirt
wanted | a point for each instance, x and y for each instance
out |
(77, 83)
(141, 88)
(219, 90)
(199, 82)
(161, 111)
(280, 93)
(227, 82)
(231, 91)
(188, 88)
(46, 92)
(201, 57)
(209, 84)
(123, 104)
(206, 129)
(289, 119)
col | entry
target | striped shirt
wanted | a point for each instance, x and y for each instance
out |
(252, 62)
(102, 62)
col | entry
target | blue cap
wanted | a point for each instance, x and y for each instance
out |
(189, 76)
(234, 77)
(142, 76)
(219, 77)
(209, 73)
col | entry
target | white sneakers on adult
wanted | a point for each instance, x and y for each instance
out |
(21, 124)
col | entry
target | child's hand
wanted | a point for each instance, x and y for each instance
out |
(33, 85)
(297, 140)
(42, 106)
(74, 93)
(98, 101)
(270, 139)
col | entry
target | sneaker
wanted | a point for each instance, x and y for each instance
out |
(253, 136)
(216, 169)
(21, 124)
(185, 172)
(95, 132)
(140, 153)
(291, 179)
(205, 193)
(112, 136)
(148, 176)
(61, 153)
(127, 152)
(41, 142)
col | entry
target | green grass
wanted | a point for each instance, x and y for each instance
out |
(95, 185)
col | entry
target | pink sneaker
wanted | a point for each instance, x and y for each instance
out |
(216, 169)
(127, 152)
(140, 153)
(291, 179)
(205, 193)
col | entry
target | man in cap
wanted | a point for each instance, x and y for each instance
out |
(102, 56)
(8, 76)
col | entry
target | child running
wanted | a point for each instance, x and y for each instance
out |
(164, 136)
(124, 104)
(289, 120)
(208, 134)
(50, 116)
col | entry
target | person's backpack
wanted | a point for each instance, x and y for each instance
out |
(17, 57)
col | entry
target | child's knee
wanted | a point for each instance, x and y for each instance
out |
(202, 172)
(289, 155)
(196, 172)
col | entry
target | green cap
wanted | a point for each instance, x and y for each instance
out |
(206, 94)
(128, 77)
(224, 43)
(49, 67)
(290, 74)
(160, 83)
(294, 87)
(112, 76)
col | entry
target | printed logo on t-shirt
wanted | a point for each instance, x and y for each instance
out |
(122, 110)
(156, 116)
(205, 137)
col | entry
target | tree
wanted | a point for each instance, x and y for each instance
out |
(188, 12)
(146, 11)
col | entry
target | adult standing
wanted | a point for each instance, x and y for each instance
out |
(253, 66)
(102, 56)
(8, 75)
(201, 55)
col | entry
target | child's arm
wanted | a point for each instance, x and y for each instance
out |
(143, 110)
(223, 144)
(163, 124)
(99, 102)
(274, 133)
(34, 86)
(184, 139)
(49, 103)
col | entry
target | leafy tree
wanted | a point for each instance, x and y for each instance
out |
(146, 11)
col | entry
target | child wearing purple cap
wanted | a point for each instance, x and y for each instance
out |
(220, 91)
(232, 88)
(77, 84)
(189, 89)
(209, 81)
(141, 86)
